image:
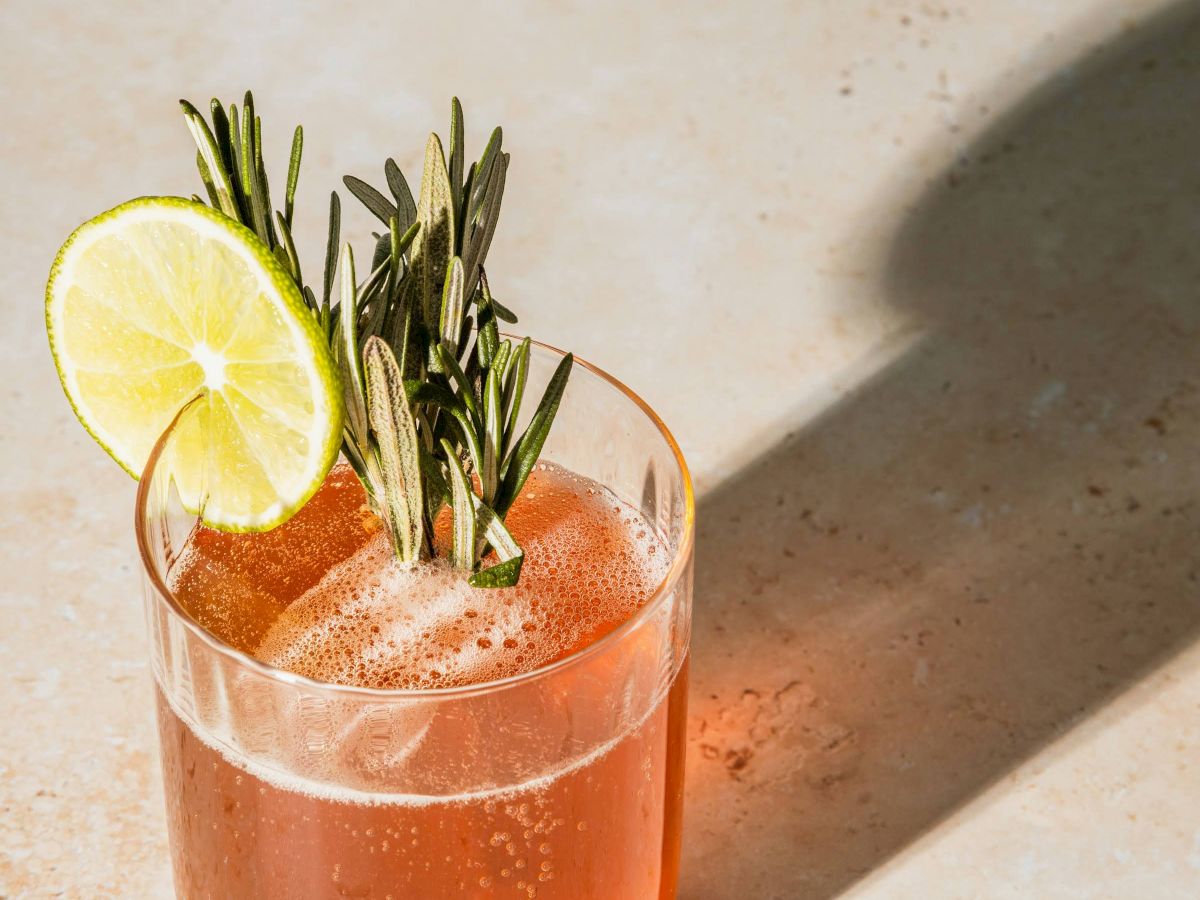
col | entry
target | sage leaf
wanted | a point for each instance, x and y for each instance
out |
(515, 376)
(437, 491)
(483, 172)
(501, 575)
(353, 384)
(209, 185)
(396, 448)
(403, 336)
(260, 178)
(434, 245)
(405, 207)
(507, 572)
(452, 305)
(493, 435)
(235, 170)
(289, 199)
(220, 132)
(207, 147)
(383, 250)
(321, 313)
(489, 334)
(407, 238)
(456, 156)
(481, 235)
(395, 254)
(525, 454)
(293, 261)
(500, 360)
(503, 313)
(331, 243)
(251, 189)
(374, 201)
(462, 553)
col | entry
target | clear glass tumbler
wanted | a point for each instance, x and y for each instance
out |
(564, 782)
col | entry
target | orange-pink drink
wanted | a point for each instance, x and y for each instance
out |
(525, 790)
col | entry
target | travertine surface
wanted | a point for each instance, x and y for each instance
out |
(917, 286)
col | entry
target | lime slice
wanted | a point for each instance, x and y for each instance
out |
(162, 299)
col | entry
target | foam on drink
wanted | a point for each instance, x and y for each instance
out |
(236, 585)
(370, 621)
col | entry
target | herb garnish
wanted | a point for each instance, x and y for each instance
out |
(432, 393)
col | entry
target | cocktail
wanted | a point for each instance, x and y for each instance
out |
(408, 640)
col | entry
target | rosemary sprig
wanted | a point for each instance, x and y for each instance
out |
(432, 393)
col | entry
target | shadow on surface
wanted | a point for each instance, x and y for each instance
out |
(916, 592)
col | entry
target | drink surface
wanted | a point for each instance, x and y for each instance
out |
(322, 596)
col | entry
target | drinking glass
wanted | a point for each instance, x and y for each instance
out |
(562, 782)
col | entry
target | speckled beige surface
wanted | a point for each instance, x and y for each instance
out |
(916, 284)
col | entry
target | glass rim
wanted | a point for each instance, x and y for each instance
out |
(666, 586)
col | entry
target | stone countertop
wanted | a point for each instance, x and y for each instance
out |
(917, 286)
